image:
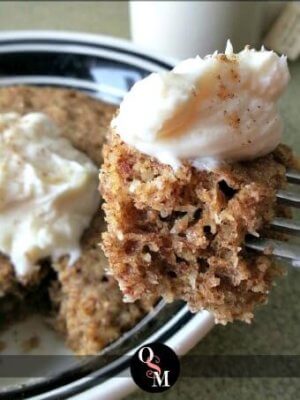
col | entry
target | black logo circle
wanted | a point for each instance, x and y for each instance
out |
(155, 367)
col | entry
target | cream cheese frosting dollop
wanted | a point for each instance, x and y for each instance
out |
(48, 192)
(207, 110)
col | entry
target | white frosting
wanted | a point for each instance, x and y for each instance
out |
(220, 108)
(48, 192)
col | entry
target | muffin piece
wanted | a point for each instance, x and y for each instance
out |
(81, 119)
(86, 305)
(181, 234)
(181, 194)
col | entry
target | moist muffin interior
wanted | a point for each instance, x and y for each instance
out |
(181, 235)
(84, 304)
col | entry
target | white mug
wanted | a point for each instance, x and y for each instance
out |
(184, 29)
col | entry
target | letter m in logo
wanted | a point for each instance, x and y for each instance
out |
(161, 380)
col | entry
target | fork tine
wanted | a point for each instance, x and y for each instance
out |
(287, 225)
(289, 197)
(278, 248)
(293, 176)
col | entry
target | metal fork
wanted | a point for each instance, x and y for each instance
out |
(279, 248)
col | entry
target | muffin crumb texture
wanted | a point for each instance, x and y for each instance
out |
(181, 235)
